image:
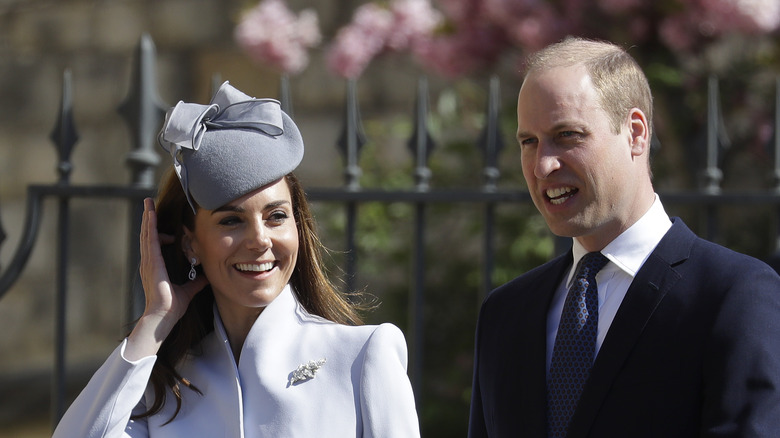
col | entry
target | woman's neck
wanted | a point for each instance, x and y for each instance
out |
(237, 323)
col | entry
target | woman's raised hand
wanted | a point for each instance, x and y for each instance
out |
(165, 301)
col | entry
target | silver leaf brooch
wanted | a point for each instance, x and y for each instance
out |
(306, 371)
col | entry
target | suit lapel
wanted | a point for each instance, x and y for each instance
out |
(533, 398)
(513, 336)
(655, 279)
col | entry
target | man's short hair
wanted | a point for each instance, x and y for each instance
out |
(619, 81)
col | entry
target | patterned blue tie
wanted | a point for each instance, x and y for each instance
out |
(575, 345)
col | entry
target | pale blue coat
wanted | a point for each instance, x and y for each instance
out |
(361, 390)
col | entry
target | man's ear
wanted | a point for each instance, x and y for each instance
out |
(639, 130)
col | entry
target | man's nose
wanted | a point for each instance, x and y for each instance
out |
(547, 160)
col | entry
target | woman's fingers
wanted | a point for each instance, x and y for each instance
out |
(166, 239)
(154, 276)
(162, 297)
(165, 302)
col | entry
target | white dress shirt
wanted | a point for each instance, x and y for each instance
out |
(626, 255)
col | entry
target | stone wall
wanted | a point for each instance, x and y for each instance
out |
(96, 41)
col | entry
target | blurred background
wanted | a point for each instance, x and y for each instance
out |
(384, 48)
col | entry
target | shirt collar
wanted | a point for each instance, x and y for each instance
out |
(632, 247)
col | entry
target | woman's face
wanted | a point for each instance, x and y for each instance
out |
(247, 248)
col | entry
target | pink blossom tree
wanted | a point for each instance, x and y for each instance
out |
(678, 42)
(402, 25)
(272, 35)
(460, 37)
(455, 38)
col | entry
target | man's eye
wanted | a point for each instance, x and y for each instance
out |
(567, 134)
(527, 141)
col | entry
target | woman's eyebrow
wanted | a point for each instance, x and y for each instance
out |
(276, 204)
(238, 209)
(227, 208)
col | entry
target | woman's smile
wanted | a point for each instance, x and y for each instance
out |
(254, 267)
(247, 248)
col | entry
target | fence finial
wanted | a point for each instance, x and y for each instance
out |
(491, 141)
(143, 111)
(64, 134)
(352, 138)
(716, 139)
(421, 142)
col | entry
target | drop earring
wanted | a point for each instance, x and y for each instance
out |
(192, 274)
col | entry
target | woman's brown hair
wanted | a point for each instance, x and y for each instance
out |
(311, 286)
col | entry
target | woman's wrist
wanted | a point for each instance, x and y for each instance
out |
(146, 338)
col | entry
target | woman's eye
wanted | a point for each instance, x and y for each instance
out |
(229, 220)
(278, 216)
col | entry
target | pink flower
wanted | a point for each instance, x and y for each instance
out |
(469, 49)
(764, 13)
(529, 24)
(360, 41)
(444, 56)
(375, 29)
(536, 29)
(704, 19)
(742, 15)
(271, 34)
(459, 11)
(411, 20)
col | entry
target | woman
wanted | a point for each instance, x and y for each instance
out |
(242, 335)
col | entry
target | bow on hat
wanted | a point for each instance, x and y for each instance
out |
(186, 123)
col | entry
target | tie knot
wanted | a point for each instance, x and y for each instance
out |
(591, 264)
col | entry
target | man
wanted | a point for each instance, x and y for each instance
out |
(674, 336)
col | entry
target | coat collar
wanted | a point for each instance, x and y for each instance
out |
(280, 317)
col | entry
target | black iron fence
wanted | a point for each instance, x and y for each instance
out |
(143, 112)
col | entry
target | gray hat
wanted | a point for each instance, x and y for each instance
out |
(228, 148)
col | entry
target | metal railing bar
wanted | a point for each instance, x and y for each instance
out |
(61, 301)
(409, 195)
(521, 196)
(105, 191)
(29, 235)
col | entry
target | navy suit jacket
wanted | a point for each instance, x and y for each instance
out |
(694, 350)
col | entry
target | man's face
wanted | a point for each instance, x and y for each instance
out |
(583, 178)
